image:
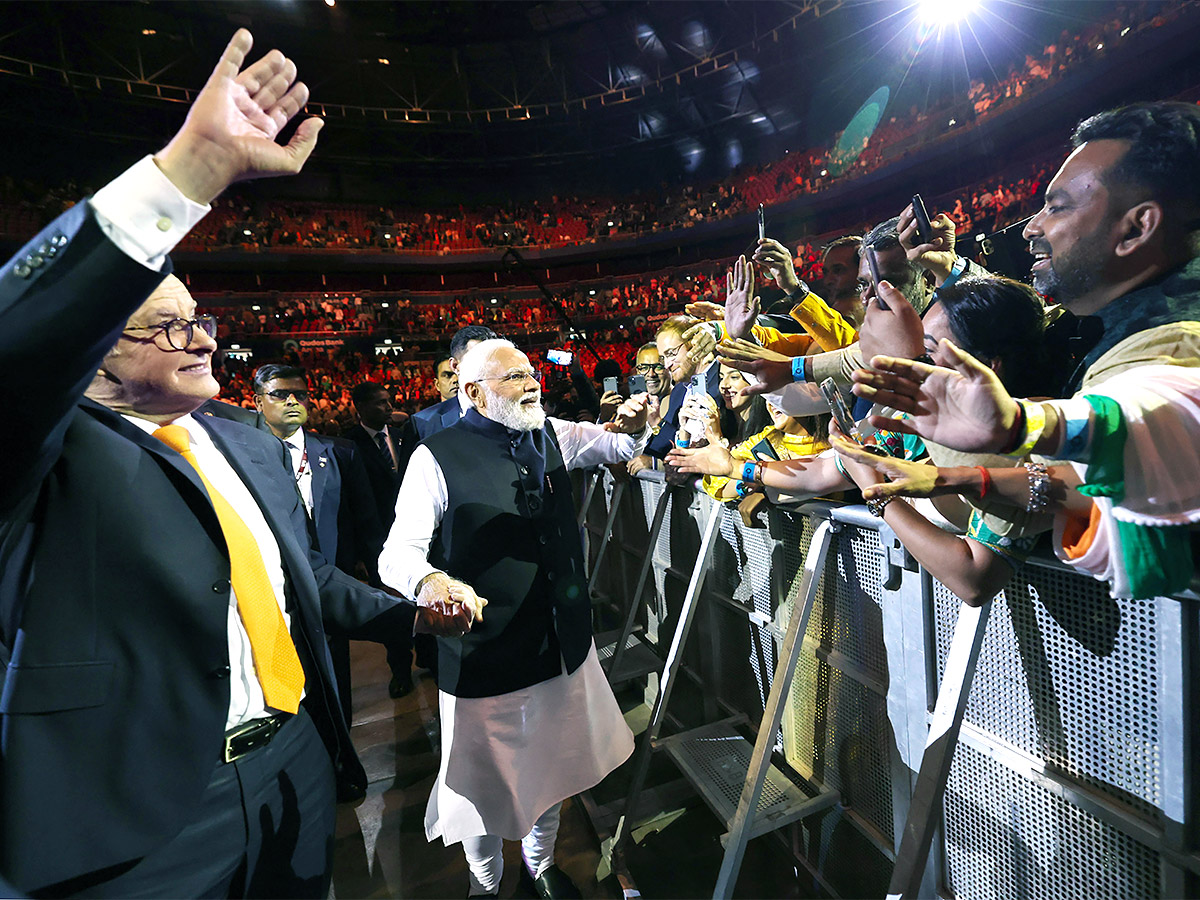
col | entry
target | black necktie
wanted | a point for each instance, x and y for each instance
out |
(381, 440)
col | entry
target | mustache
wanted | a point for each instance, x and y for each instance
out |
(1039, 246)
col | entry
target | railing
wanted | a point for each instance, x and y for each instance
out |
(1064, 770)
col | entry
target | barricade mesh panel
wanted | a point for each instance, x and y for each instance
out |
(1068, 674)
(1010, 837)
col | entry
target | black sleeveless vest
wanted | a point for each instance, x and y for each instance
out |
(509, 531)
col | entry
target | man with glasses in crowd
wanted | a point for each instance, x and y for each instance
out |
(334, 486)
(528, 718)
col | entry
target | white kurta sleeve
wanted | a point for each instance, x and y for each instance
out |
(585, 444)
(420, 505)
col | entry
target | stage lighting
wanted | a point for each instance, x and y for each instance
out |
(944, 12)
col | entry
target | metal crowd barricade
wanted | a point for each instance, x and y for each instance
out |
(1039, 746)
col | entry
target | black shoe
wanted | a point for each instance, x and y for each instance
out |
(400, 686)
(552, 884)
(347, 792)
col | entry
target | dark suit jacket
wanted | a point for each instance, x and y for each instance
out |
(659, 445)
(422, 424)
(114, 583)
(344, 513)
(385, 483)
(223, 410)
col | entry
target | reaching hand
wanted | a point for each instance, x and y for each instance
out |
(631, 415)
(773, 370)
(702, 408)
(229, 134)
(711, 460)
(638, 463)
(700, 341)
(741, 308)
(938, 255)
(609, 404)
(886, 476)
(447, 607)
(964, 408)
(705, 310)
(895, 331)
(777, 259)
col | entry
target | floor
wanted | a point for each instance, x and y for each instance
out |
(381, 849)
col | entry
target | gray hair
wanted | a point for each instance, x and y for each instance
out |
(475, 361)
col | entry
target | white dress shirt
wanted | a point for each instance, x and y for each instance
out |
(422, 500)
(302, 466)
(245, 693)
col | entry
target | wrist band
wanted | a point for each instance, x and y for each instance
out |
(841, 467)
(1035, 424)
(752, 472)
(798, 368)
(1018, 430)
(743, 489)
(956, 272)
(718, 330)
(1039, 488)
(985, 481)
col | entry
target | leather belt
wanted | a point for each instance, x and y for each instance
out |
(258, 733)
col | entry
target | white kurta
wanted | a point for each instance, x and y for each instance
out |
(507, 759)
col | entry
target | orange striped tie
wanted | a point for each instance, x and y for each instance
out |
(275, 660)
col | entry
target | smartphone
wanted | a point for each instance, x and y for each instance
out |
(873, 265)
(921, 214)
(637, 384)
(837, 406)
(558, 357)
(610, 384)
(762, 222)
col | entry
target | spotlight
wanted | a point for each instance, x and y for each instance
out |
(943, 12)
(331, 3)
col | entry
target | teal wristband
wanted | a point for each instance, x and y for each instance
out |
(956, 271)
(798, 368)
(748, 471)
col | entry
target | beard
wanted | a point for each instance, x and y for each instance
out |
(1071, 275)
(514, 414)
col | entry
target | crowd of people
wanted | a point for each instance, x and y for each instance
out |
(175, 687)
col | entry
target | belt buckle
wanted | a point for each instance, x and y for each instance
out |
(250, 736)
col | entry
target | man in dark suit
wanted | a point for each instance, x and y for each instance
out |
(334, 486)
(380, 453)
(168, 714)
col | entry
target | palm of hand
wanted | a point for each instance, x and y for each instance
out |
(962, 411)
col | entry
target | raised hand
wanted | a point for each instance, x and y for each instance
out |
(938, 255)
(700, 341)
(777, 260)
(609, 404)
(965, 408)
(885, 476)
(895, 331)
(703, 408)
(630, 417)
(773, 370)
(229, 134)
(741, 307)
(705, 310)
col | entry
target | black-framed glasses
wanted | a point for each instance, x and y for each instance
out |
(647, 368)
(281, 394)
(515, 377)
(179, 332)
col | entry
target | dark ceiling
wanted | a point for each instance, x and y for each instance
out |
(519, 94)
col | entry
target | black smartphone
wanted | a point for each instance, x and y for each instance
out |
(637, 384)
(921, 214)
(873, 265)
(837, 406)
(762, 222)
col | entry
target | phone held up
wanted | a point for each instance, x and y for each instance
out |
(611, 385)
(558, 357)
(637, 384)
(873, 265)
(841, 415)
(921, 214)
(762, 223)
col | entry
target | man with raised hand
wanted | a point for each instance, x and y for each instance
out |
(170, 726)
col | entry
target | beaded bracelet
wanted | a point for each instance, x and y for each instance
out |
(1039, 488)
(876, 504)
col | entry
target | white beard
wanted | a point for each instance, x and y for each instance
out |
(515, 415)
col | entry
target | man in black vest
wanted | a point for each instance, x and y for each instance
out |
(528, 718)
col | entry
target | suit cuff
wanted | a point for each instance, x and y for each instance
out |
(144, 214)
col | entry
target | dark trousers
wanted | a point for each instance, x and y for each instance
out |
(263, 828)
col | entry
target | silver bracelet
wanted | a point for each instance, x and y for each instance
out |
(1039, 488)
(876, 505)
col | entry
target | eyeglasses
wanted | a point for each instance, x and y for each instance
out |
(647, 368)
(514, 378)
(673, 352)
(179, 332)
(281, 394)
